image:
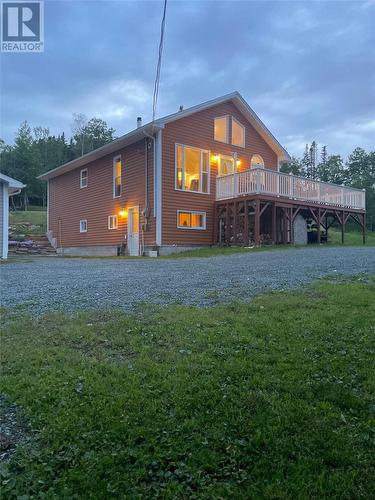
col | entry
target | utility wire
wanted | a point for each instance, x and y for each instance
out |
(157, 78)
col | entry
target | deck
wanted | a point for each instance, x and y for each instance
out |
(260, 181)
(261, 205)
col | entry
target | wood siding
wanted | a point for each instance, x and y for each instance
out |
(198, 130)
(68, 203)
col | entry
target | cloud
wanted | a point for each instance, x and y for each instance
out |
(307, 68)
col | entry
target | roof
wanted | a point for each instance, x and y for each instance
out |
(13, 184)
(152, 127)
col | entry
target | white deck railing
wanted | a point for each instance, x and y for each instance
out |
(270, 182)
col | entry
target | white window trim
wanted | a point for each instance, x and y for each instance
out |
(226, 128)
(193, 212)
(244, 133)
(115, 220)
(183, 169)
(81, 178)
(115, 158)
(80, 226)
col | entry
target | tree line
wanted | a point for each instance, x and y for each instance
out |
(358, 171)
(35, 151)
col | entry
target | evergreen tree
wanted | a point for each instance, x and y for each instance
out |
(292, 167)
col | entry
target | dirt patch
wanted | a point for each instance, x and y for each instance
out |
(13, 428)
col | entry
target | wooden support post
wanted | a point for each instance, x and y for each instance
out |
(246, 223)
(364, 229)
(216, 223)
(235, 223)
(285, 228)
(319, 227)
(227, 224)
(342, 227)
(291, 226)
(257, 223)
(274, 233)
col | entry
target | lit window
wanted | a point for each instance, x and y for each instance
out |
(83, 178)
(257, 161)
(238, 133)
(117, 171)
(83, 226)
(226, 165)
(221, 129)
(112, 222)
(191, 220)
(192, 169)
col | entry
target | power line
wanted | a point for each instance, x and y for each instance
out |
(157, 79)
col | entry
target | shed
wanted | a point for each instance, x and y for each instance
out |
(8, 187)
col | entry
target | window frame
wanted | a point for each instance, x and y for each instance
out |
(114, 218)
(257, 166)
(81, 186)
(225, 157)
(193, 212)
(202, 151)
(80, 226)
(115, 158)
(227, 117)
(243, 145)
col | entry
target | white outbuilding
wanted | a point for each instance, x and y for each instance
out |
(8, 187)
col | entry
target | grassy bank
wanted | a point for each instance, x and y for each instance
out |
(28, 222)
(272, 399)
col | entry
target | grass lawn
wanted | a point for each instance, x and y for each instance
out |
(22, 219)
(351, 237)
(271, 399)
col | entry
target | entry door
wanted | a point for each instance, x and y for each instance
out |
(133, 231)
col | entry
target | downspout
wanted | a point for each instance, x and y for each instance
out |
(146, 168)
(157, 183)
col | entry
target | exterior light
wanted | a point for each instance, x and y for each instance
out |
(123, 213)
(215, 157)
(238, 162)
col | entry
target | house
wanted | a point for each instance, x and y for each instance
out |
(8, 187)
(205, 175)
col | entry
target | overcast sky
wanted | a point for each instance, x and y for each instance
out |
(306, 68)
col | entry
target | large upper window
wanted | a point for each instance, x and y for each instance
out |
(221, 129)
(192, 169)
(238, 133)
(191, 220)
(257, 161)
(117, 172)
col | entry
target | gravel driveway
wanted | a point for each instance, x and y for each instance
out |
(69, 284)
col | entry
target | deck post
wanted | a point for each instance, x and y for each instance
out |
(274, 234)
(343, 227)
(291, 225)
(216, 222)
(318, 222)
(285, 227)
(364, 229)
(257, 223)
(227, 224)
(246, 223)
(235, 223)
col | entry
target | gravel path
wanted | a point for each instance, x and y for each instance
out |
(69, 284)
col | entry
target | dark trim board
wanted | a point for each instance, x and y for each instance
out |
(258, 218)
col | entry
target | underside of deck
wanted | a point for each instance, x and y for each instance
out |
(260, 219)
